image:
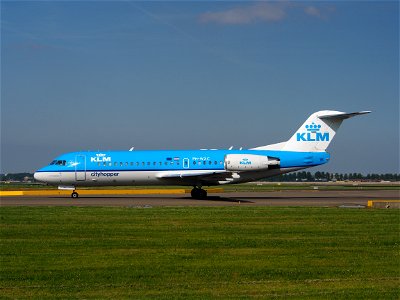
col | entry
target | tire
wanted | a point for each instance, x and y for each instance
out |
(202, 194)
(194, 193)
(197, 193)
(74, 195)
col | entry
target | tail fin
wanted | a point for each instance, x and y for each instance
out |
(318, 131)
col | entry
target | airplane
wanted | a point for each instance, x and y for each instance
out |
(197, 168)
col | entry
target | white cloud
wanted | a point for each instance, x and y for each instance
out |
(261, 12)
(264, 12)
(313, 11)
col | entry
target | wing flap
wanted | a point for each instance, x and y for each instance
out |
(188, 174)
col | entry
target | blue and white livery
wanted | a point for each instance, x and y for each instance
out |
(197, 168)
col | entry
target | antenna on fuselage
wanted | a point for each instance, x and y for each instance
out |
(230, 148)
(132, 149)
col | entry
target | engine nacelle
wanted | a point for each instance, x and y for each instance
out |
(248, 162)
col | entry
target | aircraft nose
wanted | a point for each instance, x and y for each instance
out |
(39, 176)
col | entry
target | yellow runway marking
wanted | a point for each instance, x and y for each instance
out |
(102, 192)
(11, 193)
(371, 202)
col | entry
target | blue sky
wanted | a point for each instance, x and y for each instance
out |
(188, 75)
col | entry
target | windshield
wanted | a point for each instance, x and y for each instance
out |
(58, 162)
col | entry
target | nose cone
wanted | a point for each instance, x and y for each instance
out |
(39, 176)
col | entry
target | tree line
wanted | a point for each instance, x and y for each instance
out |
(326, 176)
(16, 177)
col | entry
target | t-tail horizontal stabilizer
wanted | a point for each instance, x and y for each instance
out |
(343, 116)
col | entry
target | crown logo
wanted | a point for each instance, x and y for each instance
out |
(313, 127)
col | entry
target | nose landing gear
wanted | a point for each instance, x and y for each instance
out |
(198, 193)
(74, 194)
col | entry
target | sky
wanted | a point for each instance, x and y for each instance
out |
(89, 75)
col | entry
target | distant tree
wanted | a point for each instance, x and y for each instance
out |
(15, 176)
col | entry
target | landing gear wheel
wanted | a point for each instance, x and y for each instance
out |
(195, 193)
(74, 195)
(198, 193)
(203, 194)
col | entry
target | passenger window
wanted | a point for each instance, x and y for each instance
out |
(154, 163)
(209, 162)
(121, 163)
(177, 163)
(160, 163)
(215, 162)
(99, 164)
(104, 164)
(220, 162)
(204, 162)
(143, 163)
(126, 164)
(115, 164)
(109, 164)
(194, 162)
(172, 162)
(137, 163)
(166, 163)
(131, 163)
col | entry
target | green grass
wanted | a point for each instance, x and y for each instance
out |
(201, 253)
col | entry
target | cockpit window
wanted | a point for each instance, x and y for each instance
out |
(59, 162)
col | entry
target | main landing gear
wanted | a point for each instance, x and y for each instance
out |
(198, 193)
(74, 195)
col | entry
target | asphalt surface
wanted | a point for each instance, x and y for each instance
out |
(316, 198)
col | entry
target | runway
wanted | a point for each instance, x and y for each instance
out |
(316, 198)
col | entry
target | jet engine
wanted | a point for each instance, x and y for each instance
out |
(249, 162)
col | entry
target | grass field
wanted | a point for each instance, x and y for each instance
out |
(201, 253)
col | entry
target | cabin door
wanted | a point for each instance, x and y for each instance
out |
(80, 168)
(186, 163)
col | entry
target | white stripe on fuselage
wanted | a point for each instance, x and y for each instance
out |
(114, 178)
